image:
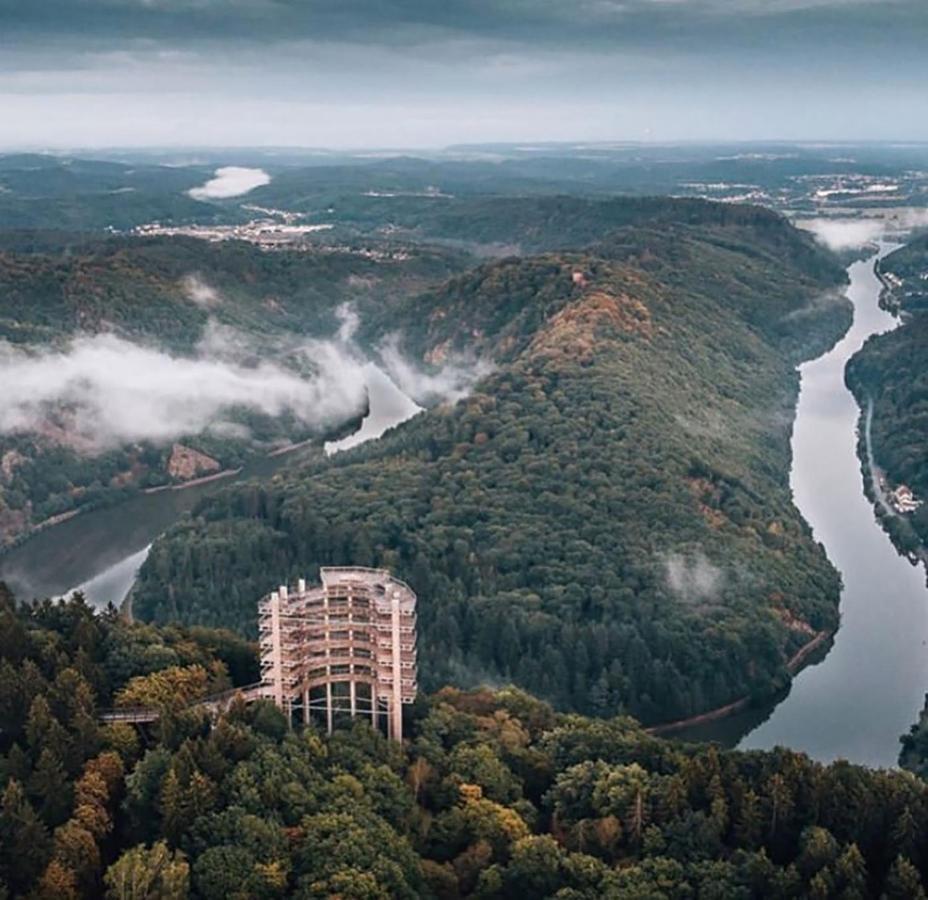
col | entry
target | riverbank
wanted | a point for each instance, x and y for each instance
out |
(100, 548)
(274, 456)
(875, 668)
(194, 482)
(255, 465)
(794, 666)
(38, 528)
(883, 380)
(903, 536)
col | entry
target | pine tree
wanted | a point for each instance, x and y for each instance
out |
(171, 803)
(44, 731)
(851, 874)
(781, 802)
(200, 796)
(903, 882)
(718, 804)
(24, 840)
(18, 764)
(904, 835)
(49, 785)
(749, 821)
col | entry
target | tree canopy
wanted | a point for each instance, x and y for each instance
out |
(492, 795)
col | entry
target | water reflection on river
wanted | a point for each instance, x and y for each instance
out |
(868, 689)
(100, 552)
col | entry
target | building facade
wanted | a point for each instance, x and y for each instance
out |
(346, 647)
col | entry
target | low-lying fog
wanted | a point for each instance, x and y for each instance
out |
(850, 233)
(102, 391)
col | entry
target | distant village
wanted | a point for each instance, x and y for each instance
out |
(902, 292)
(270, 235)
(265, 233)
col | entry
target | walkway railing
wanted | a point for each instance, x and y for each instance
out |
(137, 715)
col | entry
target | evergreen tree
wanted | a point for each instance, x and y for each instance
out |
(49, 785)
(24, 840)
(903, 882)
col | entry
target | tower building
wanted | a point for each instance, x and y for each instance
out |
(345, 647)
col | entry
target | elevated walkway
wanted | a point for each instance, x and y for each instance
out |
(214, 704)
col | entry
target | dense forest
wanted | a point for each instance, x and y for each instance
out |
(889, 373)
(42, 191)
(493, 794)
(606, 520)
(889, 376)
(53, 285)
(168, 293)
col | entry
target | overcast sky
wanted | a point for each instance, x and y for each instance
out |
(418, 73)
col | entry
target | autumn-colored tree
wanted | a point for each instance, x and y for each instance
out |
(819, 849)
(58, 882)
(168, 689)
(74, 847)
(625, 791)
(153, 873)
(123, 739)
(498, 825)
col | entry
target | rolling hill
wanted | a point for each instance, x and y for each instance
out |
(606, 519)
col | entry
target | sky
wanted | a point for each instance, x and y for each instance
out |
(430, 73)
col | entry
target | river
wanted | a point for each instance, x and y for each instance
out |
(854, 701)
(101, 551)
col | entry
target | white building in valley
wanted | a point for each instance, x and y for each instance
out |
(904, 500)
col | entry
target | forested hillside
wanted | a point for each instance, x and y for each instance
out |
(53, 285)
(40, 191)
(493, 795)
(890, 373)
(171, 294)
(606, 519)
(542, 223)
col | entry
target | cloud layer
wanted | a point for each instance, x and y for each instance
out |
(199, 292)
(850, 234)
(106, 391)
(845, 234)
(420, 72)
(453, 381)
(410, 22)
(103, 391)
